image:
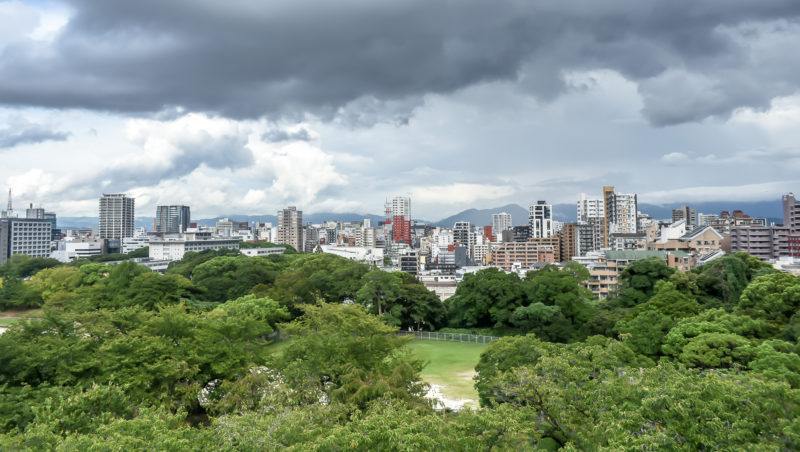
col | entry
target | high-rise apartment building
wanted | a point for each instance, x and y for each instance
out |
(589, 208)
(685, 213)
(172, 219)
(462, 230)
(791, 213)
(621, 212)
(541, 220)
(501, 222)
(401, 219)
(116, 216)
(290, 228)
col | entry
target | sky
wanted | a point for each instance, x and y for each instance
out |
(244, 107)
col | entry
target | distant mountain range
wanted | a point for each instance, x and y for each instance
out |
(480, 217)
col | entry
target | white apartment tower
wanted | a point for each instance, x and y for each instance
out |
(290, 228)
(621, 211)
(589, 208)
(541, 220)
(116, 216)
(401, 207)
(501, 222)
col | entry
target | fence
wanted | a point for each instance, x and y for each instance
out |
(455, 337)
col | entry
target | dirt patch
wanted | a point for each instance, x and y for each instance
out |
(441, 401)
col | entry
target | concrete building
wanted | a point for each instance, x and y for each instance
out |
(71, 249)
(589, 208)
(768, 242)
(701, 240)
(791, 213)
(116, 216)
(462, 233)
(444, 286)
(139, 240)
(254, 252)
(765, 243)
(290, 228)
(501, 222)
(172, 219)
(704, 219)
(569, 244)
(173, 249)
(621, 212)
(409, 262)
(398, 217)
(541, 220)
(523, 254)
(38, 213)
(685, 213)
(605, 267)
(627, 242)
(28, 236)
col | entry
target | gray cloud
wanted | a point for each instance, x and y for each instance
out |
(19, 131)
(692, 60)
(281, 135)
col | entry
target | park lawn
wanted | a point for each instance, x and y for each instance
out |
(22, 313)
(8, 322)
(278, 347)
(451, 365)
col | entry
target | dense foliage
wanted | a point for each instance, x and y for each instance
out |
(126, 359)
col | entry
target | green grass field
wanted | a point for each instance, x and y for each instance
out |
(450, 365)
(7, 322)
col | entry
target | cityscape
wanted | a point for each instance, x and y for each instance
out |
(610, 232)
(399, 226)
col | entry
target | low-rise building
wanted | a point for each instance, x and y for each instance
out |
(524, 254)
(605, 267)
(174, 248)
(763, 242)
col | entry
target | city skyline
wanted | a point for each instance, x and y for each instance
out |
(458, 107)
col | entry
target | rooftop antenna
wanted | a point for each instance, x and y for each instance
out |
(9, 200)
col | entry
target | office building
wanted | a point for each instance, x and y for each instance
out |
(172, 219)
(116, 216)
(174, 248)
(290, 228)
(28, 236)
(541, 220)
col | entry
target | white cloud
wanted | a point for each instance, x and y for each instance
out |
(745, 192)
(674, 158)
(459, 193)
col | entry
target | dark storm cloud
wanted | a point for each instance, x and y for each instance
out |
(19, 131)
(243, 58)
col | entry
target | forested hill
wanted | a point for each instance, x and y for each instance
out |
(299, 352)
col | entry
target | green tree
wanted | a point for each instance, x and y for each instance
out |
(774, 297)
(330, 341)
(485, 299)
(645, 333)
(638, 280)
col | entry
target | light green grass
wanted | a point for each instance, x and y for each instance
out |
(22, 313)
(278, 347)
(8, 322)
(451, 365)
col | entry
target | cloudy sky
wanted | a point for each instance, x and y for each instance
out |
(245, 106)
